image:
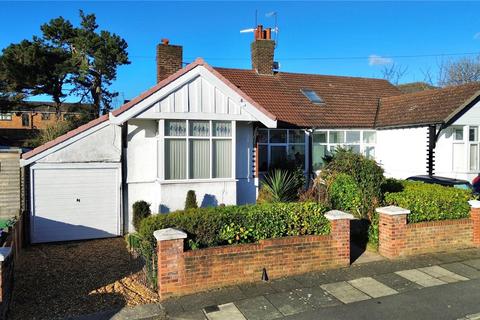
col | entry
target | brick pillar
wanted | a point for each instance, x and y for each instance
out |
(170, 265)
(475, 216)
(392, 231)
(340, 232)
(6, 279)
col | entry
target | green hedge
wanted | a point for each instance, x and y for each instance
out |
(213, 226)
(430, 202)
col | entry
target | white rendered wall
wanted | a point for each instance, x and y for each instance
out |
(471, 117)
(103, 145)
(402, 152)
(142, 151)
(209, 193)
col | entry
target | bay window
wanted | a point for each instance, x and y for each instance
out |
(325, 142)
(280, 148)
(198, 149)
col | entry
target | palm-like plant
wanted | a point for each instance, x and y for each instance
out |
(281, 185)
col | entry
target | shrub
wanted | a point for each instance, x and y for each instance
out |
(191, 200)
(281, 186)
(317, 192)
(345, 194)
(430, 202)
(213, 226)
(141, 210)
(366, 172)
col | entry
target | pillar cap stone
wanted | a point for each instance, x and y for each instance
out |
(4, 253)
(338, 215)
(169, 234)
(474, 203)
(392, 210)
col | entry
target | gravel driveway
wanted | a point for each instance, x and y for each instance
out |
(53, 281)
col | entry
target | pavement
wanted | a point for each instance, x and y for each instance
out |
(435, 286)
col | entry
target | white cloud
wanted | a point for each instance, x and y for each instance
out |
(375, 60)
(476, 36)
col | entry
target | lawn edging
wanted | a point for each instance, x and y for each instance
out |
(182, 272)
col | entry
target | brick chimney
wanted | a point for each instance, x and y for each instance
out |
(262, 49)
(169, 59)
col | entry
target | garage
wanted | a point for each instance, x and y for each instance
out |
(75, 201)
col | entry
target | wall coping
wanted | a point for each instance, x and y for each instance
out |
(169, 234)
(338, 215)
(474, 203)
(392, 210)
(5, 252)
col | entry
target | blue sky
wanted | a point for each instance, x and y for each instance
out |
(315, 37)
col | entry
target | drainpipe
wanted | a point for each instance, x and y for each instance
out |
(310, 156)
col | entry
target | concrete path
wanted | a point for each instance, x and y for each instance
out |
(309, 293)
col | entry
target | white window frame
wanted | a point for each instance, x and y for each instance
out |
(187, 137)
(331, 146)
(5, 116)
(285, 144)
(466, 148)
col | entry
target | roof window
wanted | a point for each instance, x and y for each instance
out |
(312, 96)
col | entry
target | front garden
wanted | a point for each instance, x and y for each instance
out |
(349, 182)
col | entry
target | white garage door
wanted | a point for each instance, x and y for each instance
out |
(75, 203)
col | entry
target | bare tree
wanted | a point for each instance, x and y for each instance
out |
(427, 76)
(455, 72)
(393, 73)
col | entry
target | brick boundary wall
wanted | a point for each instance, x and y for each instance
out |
(181, 273)
(397, 238)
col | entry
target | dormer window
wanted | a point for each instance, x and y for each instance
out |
(312, 96)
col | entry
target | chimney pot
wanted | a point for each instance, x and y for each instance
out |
(165, 41)
(262, 51)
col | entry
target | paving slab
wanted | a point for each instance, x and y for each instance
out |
(257, 289)
(224, 311)
(229, 294)
(442, 274)
(141, 312)
(258, 308)
(172, 306)
(311, 279)
(317, 297)
(473, 263)
(288, 303)
(345, 292)
(188, 315)
(198, 301)
(420, 278)
(372, 287)
(462, 269)
(397, 282)
(285, 284)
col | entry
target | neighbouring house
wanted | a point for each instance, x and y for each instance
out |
(216, 130)
(22, 122)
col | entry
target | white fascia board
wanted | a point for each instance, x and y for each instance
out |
(181, 81)
(63, 144)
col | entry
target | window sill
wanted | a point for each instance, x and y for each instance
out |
(187, 181)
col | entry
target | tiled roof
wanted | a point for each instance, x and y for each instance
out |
(349, 102)
(425, 107)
